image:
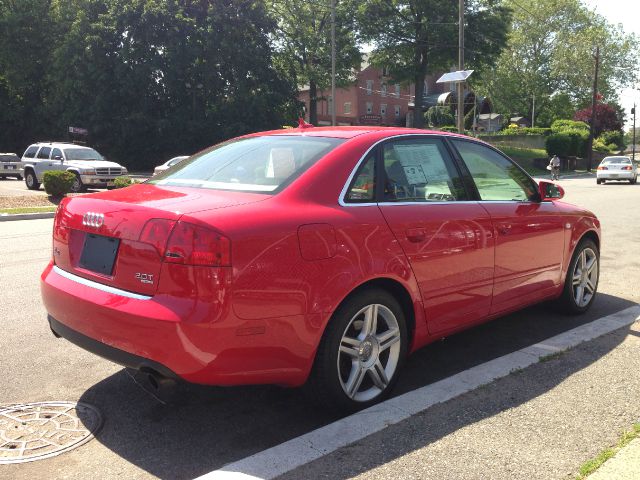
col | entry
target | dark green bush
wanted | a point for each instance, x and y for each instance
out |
(563, 125)
(613, 136)
(525, 131)
(439, 116)
(57, 183)
(121, 182)
(558, 144)
(449, 128)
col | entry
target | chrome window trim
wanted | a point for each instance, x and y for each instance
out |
(99, 286)
(343, 193)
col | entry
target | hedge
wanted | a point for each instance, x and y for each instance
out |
(563, 125)
(58, 183)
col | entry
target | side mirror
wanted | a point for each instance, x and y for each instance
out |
(550, 191)
(58, 157)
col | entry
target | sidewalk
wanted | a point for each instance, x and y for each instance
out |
(624, 466)
(543, 422)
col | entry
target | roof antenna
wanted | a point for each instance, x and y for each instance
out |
(303, 124)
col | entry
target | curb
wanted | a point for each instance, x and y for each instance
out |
(26, 216)
(285, 457)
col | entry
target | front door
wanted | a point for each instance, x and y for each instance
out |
(447, 238)
(529, 233)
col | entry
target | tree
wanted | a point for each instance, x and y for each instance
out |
(414, 37)
(550, 57)
(439, 117)
(606, 118)
(303, 44)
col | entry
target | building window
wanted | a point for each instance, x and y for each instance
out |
(383, 89)
(347, 107)
(369, 107)
(385, 71)
(397, 110)
(383, 109)
(397, 90)
(369, 87)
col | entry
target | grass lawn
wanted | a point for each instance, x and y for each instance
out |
(18, 210)
(524, 157)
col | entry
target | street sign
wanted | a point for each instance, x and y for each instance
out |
(78, 131)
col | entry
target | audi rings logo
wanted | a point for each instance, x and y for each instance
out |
(92, 219)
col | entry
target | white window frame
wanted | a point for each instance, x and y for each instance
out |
(369, 108)
(397, 110)
(346, 108)
(383, 109)
(369, 87)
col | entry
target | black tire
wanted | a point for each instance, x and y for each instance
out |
(77, 185)
(19, 177)
(369, 360)
(31, 180)
(567, 301)
(2, 177)
(598, 181)
(633, 180)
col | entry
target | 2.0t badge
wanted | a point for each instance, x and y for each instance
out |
(145, 278)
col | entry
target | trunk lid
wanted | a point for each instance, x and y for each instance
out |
(98, 236)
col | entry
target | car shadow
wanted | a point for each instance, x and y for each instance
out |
(205, 428)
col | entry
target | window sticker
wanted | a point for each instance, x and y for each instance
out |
(422, 163)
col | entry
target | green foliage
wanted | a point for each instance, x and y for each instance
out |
(564, 125)
(124, 181)
(411, 37)
(524, 131)
(58, 183)
(449, 128)
(439, 116)
(149, 79)
(558, 144)
(549, 56)
(615, 138)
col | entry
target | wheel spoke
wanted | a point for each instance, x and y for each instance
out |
(370, 321)
(579, 295)
(577, 278)
(379, 376)
(388, 338)
(590, 287)
(591, 266)
(583, 260)
(349, 346)
(355, 379)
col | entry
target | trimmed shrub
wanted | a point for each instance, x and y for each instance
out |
(439, 116)
(563, 125)
(124, 181)
(525, 131)
(449, 128)
(58, 183)
(558, 144)
(615, 137)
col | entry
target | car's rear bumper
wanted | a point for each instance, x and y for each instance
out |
(177, 337)
(618, 175)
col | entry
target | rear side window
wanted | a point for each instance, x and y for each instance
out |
(31, 152)
(256, 164)
(496, 177)
(363, 187)
(44, 152)
(420, 170)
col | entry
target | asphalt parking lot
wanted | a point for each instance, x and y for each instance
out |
(209, 427)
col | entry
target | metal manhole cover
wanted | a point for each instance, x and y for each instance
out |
(34, 431)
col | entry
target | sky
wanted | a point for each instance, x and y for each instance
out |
(627, 13)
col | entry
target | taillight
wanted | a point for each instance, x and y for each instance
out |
(627, 168)
(194, 245)
(602, 168)
(156, 232)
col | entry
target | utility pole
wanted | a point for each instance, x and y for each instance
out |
(333, 62)
(593, 111)
(633, 147)
(460, 65)
(533, 112)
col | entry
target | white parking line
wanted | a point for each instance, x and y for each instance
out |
(299, 451)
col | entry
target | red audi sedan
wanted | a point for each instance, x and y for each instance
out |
(314, 255)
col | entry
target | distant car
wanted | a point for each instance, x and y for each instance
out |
(320, 254)
(90, 168)
(169, 163)
(10, 166)
(616, 168)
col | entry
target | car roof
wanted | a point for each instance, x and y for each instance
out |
(59, 145)
(348, 132)
(615, 157)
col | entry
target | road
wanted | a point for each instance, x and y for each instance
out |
(210, 427)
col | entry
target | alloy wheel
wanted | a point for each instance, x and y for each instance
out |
(369, 352)
(585, 277)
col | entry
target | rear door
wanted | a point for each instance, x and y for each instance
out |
(529, 234)
(447, 237)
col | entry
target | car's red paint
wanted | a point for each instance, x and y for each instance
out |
(294, 257)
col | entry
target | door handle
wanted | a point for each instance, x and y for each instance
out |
(416, 234)
(504, 229)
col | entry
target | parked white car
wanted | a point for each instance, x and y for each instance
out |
(169, 163)
(10, 166)
(616, 168)
(90, 168)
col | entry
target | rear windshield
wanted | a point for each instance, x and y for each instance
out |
(617, 160)
(82, 154)
(256, 164)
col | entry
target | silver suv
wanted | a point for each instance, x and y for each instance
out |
(90, 168)
(10, 166)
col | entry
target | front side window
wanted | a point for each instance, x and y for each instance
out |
(363, 187)
(496, 177)
(420, 170)
(31, 152)
(256, 164)
(56, 153)
(44, 153)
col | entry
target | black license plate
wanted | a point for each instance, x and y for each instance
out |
(99, 253)
(9, 167)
